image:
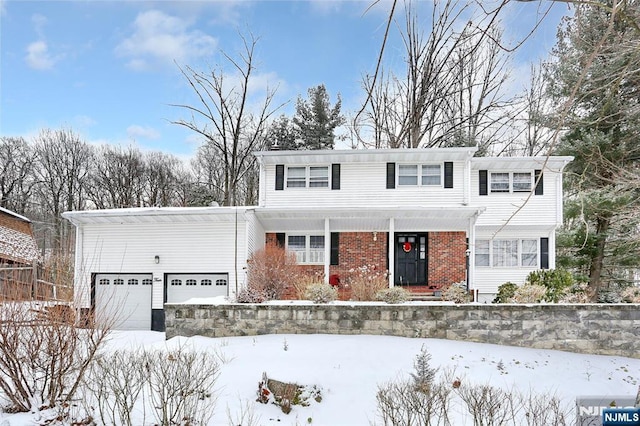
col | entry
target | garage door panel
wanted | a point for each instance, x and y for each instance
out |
(182, 287)
(125, 298)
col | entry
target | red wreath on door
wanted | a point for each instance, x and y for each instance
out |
(406, 247)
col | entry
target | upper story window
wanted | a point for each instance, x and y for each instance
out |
(307, 248)
(506, 253)
(511, 182)
(419, 174)
(308, 177)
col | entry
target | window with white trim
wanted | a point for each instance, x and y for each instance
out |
(511, 181)
(307, 248)
(419, 174)
(308, 177)
(507, 253)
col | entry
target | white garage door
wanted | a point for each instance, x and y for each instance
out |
(126, 297)
(182, 287)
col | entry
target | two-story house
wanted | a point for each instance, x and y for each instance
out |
(430, 217)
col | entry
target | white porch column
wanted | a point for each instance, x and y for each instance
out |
(392, 253)
(327, 249)
(471, 253)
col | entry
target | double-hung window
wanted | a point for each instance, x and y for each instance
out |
(307, 248)
(308, 177)
(511, 182)
(419, 174)
(507, 253)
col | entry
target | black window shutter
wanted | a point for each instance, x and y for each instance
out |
(280, 239)
(448, 174)
(279, 177)
(539, 184)
(544, 253)
(391, 175)
(335, 248)
(335, 176)
(483, 182)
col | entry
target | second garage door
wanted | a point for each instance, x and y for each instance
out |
(182, 287)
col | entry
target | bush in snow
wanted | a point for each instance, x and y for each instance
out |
(505, 292)
(271, 270)
(529, 293)
(321, 293)
(44, 353)
(303, 281)
(393, 295)
(631, 294)
(366, 281)
(555, 281)
(250, 295)
(457, 293)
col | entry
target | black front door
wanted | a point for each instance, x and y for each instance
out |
(411, 259)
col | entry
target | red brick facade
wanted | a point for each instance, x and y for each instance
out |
(446, 256)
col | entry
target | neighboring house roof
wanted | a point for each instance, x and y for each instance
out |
(15, 245)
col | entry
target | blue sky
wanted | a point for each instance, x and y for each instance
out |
(107, 69)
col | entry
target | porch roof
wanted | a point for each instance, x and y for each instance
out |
(416, 218)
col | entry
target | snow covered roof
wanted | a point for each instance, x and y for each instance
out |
(18, 246)
(14, 214)
(364, 155)
(156, 215)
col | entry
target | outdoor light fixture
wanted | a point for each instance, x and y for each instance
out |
(375, 235)
(157, 259)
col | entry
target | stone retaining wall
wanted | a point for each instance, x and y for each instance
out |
(611, 329)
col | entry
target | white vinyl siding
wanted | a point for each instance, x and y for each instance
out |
(361, 185)
(196, 247)
(519, 209)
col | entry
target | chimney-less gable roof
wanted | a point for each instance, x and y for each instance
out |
(414, 155)
(17, 246)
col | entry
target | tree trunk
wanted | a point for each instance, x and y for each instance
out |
(597, 257)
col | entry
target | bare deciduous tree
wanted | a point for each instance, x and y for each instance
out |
(227, 119)
(16, 173)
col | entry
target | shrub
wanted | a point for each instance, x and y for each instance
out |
(303, 281)
(631, 294)
(271, 270)
(250, 295)
(366, 281)
(457, 293)
(424, 374)
(321, 293)
(505, 292)
(529, 293)
(578, 293)
(45, 353)
(393, 295)
(555, 281)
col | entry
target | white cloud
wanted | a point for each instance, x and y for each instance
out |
(83, 121)
(161, 38)
(38, 56)
(134, 131)
(39, 22)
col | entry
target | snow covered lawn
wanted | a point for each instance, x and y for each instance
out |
(348, 370)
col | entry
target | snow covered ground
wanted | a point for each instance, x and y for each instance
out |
(348, 370)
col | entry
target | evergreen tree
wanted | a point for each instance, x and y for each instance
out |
(316, 120)
(282, 134)
(595, 83)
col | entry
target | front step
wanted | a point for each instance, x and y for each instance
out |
(431, 296)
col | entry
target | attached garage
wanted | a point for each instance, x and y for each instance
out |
(126, 297)
(182, 287)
